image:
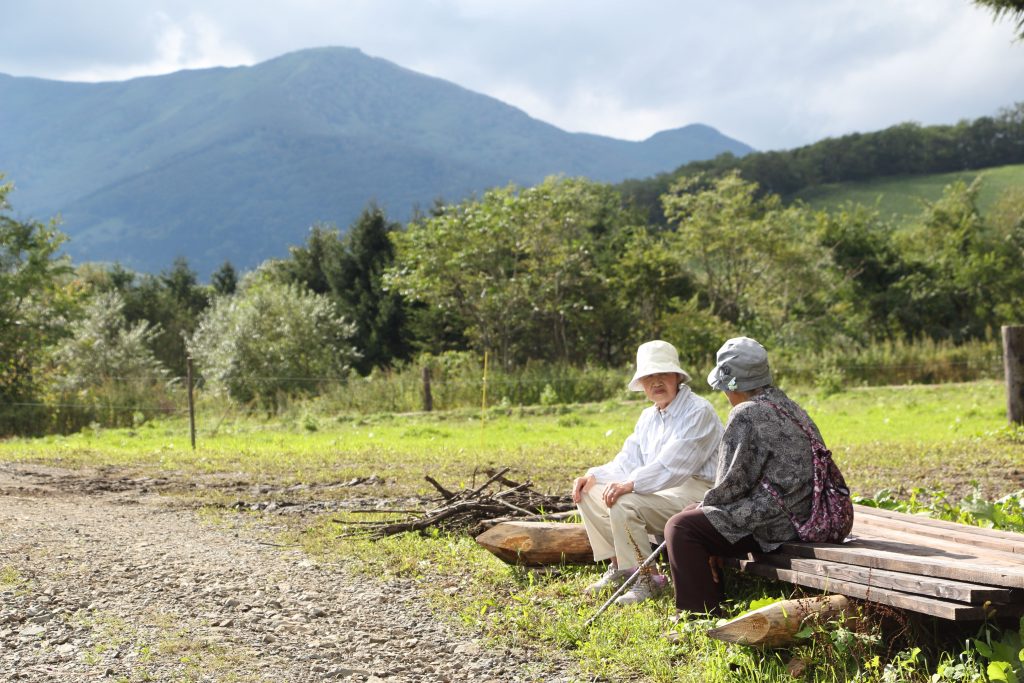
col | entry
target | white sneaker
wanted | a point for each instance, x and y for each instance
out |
(645, 588)
(612, 578)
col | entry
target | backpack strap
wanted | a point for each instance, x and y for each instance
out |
(815, 441)
(818, 451)
(778, 499)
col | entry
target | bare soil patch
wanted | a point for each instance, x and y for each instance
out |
(104, 578)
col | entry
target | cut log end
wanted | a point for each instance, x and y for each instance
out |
(776, 625)
(536, 544)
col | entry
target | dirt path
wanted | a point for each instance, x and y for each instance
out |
(122, 585)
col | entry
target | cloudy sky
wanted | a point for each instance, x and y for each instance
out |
(774, 74)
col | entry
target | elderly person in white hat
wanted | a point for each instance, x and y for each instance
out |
(666, 464)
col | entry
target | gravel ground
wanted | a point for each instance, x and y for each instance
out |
(117, 583)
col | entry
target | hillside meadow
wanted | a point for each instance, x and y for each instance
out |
(929, 442)
(905, 196)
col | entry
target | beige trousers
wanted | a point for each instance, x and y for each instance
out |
(621, 530)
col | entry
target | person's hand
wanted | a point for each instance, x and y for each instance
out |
(716, 563)
(614, 491)
(580, 486)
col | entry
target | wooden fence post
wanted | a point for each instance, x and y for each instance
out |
(191, 402)
(1013, 364)
(428, 398)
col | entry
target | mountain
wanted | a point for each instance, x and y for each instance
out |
(236, 163)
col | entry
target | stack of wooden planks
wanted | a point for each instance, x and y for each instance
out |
(915, 563)
(924, 565)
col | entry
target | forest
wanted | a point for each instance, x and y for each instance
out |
(903, 149)
(563, 277)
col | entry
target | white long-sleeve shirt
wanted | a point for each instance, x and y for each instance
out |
(667, 447)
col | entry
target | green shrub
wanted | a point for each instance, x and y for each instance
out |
(106, 373)
(270, 341)
(922, 361)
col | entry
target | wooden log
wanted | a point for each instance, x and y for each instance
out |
(776, 625)
(544, 517)
(946, 589)
(538, 543)
(1013, 365)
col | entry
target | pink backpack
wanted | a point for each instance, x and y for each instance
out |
(831, 508)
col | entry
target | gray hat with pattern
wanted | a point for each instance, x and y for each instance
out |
(741, 365)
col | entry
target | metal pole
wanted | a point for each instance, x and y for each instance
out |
(626, 584)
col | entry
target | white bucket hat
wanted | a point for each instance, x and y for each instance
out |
(654, 357)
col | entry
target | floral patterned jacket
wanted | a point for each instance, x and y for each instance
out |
(759, 442)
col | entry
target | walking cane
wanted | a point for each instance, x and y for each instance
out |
(626, 584)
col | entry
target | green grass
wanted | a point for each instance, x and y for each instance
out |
(951, 437)
(882, 437)
(547, 610)
(902, 195)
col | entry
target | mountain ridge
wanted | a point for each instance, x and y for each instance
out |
(235, 163)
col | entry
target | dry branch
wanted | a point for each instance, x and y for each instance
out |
(470, 511)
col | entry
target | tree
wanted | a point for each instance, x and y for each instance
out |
(1013, 9)
(271, 339)
(647, 276)
(106, 368)
(467, 261)
(720, 237)
(308, 264)
(224, 280)
(519, 267)
(349, 269)
(171, 301)
(355, 275)
(1007, 223)
(33, 305)
(754, 261)
(869, 265)
(966, 272)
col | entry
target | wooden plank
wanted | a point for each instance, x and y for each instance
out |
(946, 589)
(996, 558)
(954, 611)
(1004, 539)
(871, 525)
(880, 553)
(938, 523)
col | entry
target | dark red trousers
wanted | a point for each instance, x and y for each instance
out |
(692, 540)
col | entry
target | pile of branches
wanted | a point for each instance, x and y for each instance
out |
(471, 511)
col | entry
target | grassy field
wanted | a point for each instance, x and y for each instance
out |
(902, 196)
(941, 435)
(950, 437)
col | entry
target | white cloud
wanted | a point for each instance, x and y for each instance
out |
(774, 75)
(947, 76)
(194, 42)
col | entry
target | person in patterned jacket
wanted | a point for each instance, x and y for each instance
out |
(761, 449)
